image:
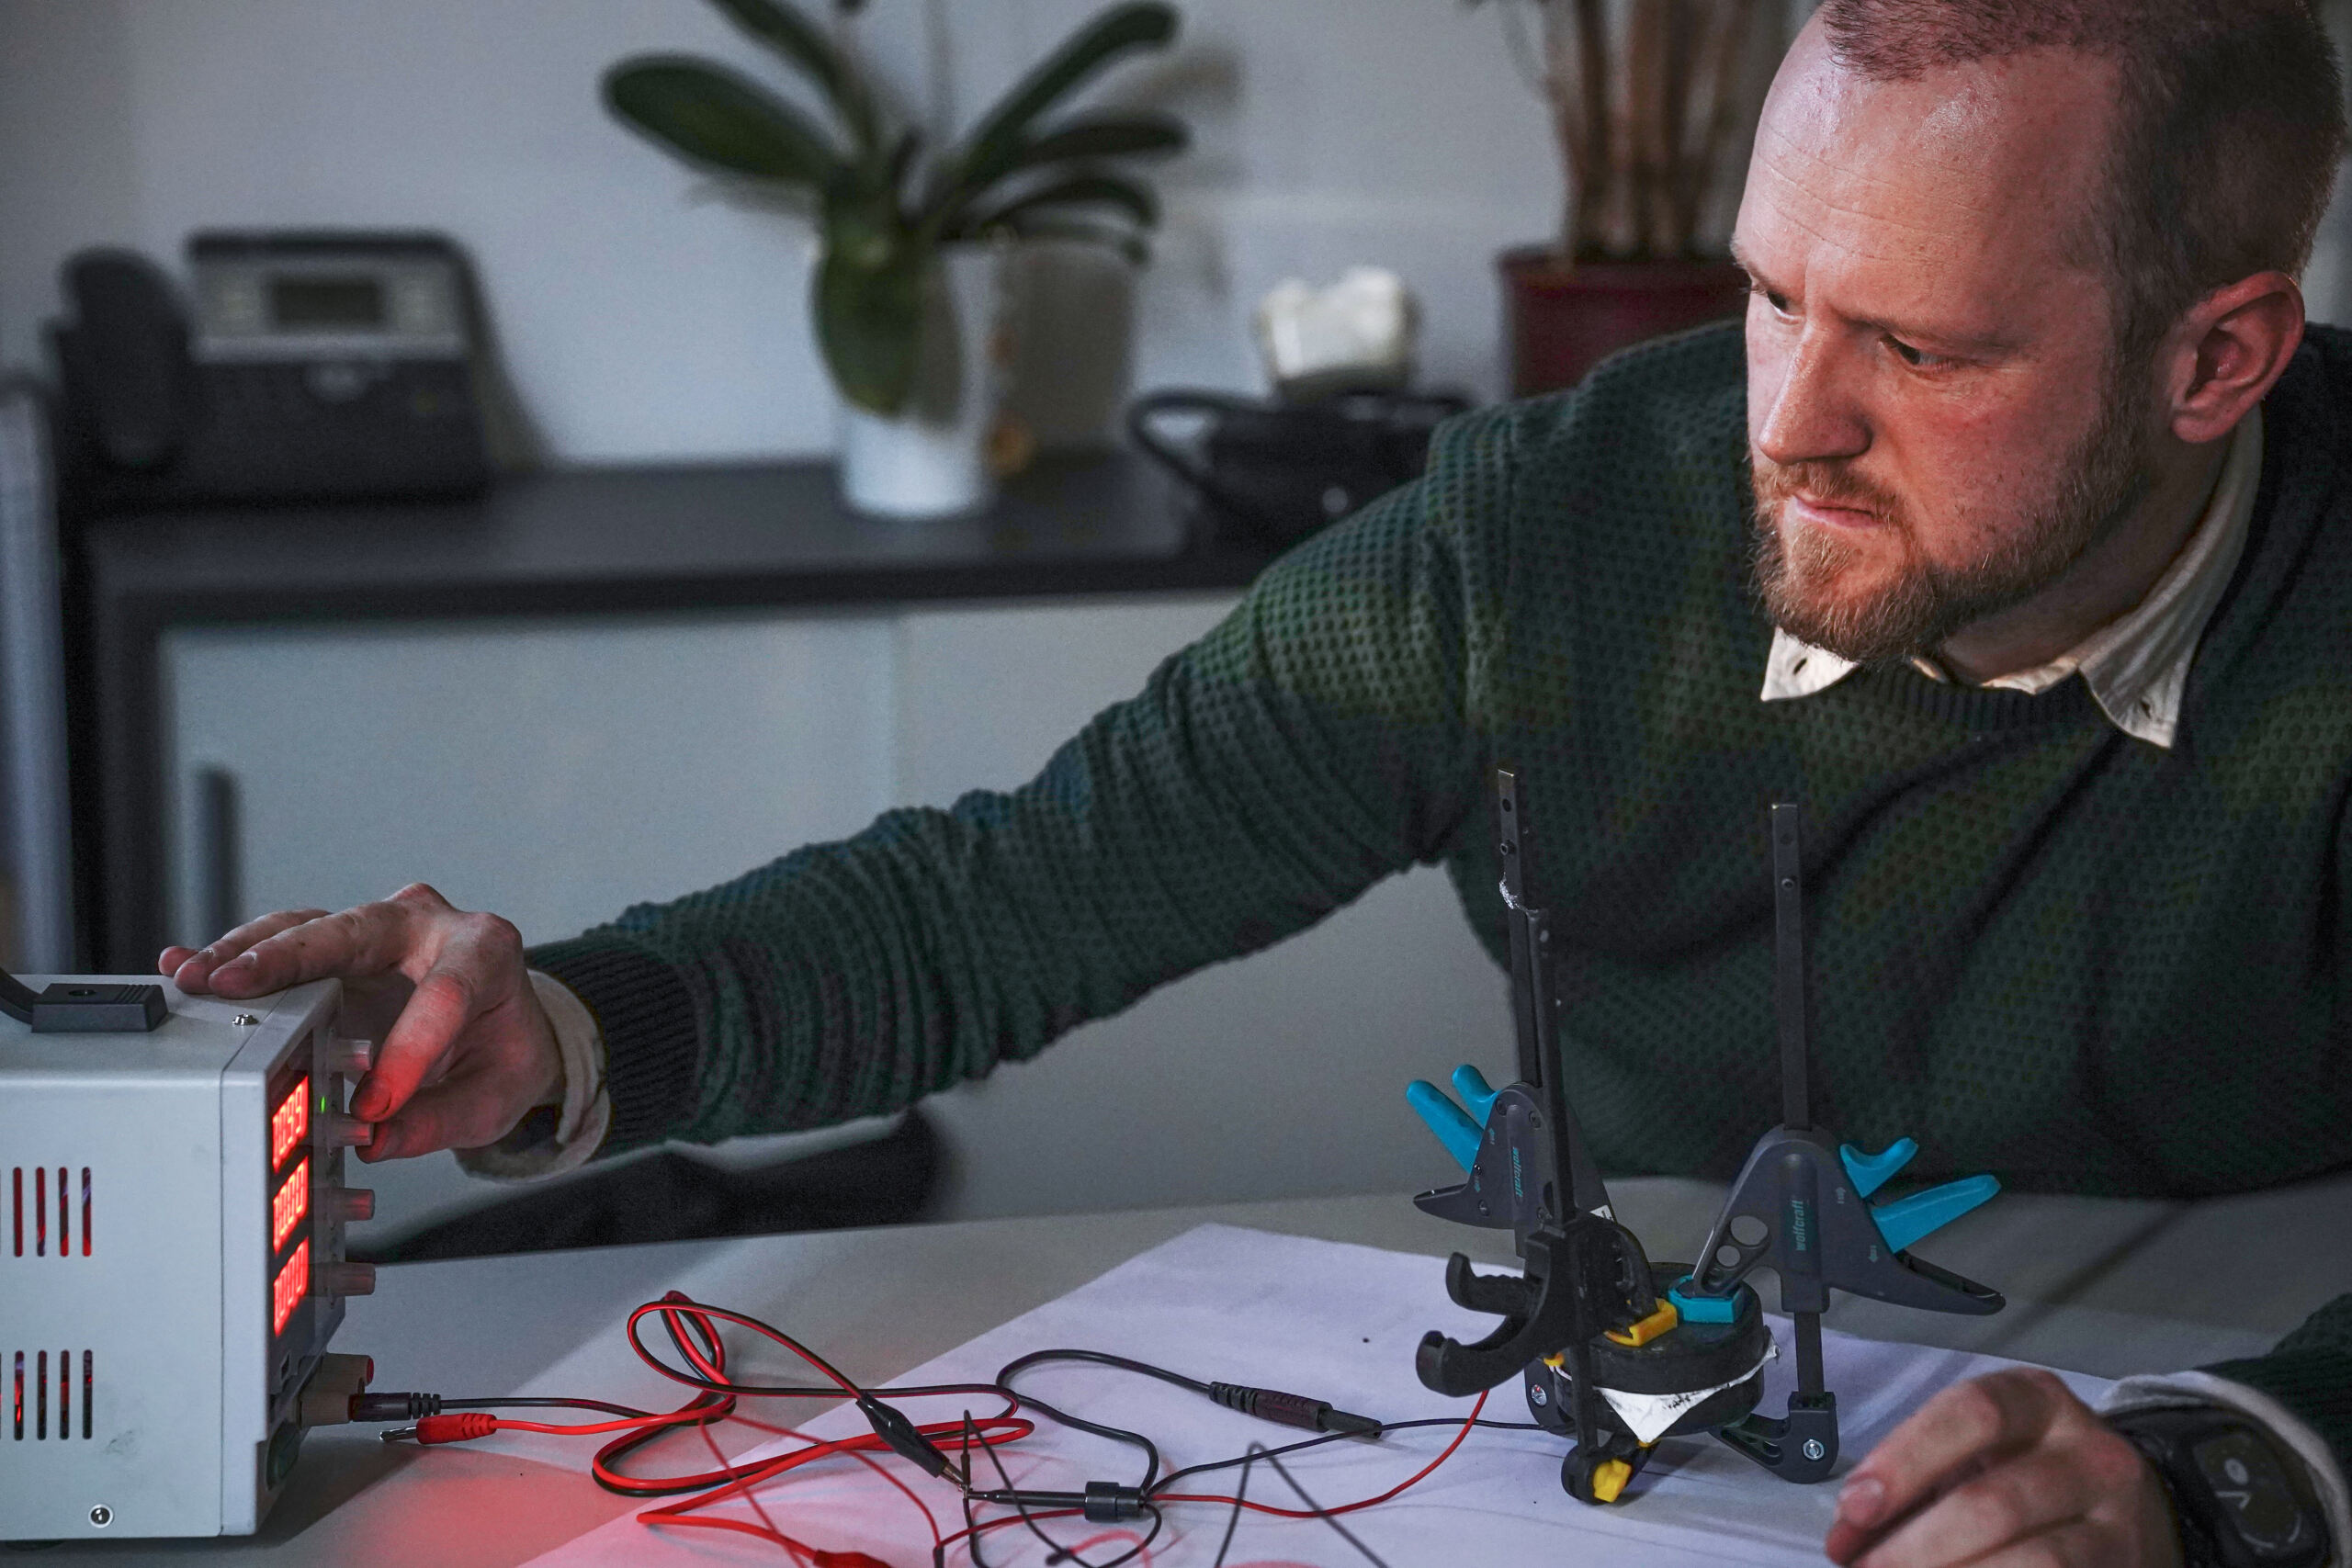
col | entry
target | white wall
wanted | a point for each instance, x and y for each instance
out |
(644, 319)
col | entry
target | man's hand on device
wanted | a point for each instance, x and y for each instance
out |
(463, 1049)
(2006, 1469)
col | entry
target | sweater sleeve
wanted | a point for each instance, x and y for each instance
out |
(2300, 1391)
(2310, 1374)
(1312, 743)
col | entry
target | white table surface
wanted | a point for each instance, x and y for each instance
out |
(2104, 1286)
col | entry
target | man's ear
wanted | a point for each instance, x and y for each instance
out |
(2228, 351)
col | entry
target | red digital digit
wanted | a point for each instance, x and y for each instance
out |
(290, 1124)
(293, 1284)
(292, 1203)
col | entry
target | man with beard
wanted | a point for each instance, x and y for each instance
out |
(2013, 539)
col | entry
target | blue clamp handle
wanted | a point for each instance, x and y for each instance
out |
(1906, 1220)
(1459, 1131)
(1871, 1172)
(1471, 1085)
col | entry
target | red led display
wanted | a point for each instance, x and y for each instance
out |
(290, 1124)
(292, 1203)
(292, 1284)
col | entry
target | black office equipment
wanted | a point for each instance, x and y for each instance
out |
(301, 365)
(1268, 474)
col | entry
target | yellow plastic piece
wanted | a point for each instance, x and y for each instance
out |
(1663, 1320)
(1608, 1480)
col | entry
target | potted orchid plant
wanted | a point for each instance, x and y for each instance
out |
(911, 239)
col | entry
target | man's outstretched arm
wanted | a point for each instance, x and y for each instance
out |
(1313, 743)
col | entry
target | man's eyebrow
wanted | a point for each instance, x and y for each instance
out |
(1992, 343)
(1741, 260)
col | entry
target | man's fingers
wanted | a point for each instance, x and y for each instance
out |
(482, 1093)
(370, 938)
(1986, 1419)
(2077, 1543)
(438, 1010)
(2006, 1504)
(190, 968)
(464, 1111)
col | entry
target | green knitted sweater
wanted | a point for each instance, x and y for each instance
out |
(2040, 947)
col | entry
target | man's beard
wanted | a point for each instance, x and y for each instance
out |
(2107, 475)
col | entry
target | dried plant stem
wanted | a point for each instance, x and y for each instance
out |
(1571, 125)
(1645, 99)
(1734, 25)
(1592, 64)
(1652, 59)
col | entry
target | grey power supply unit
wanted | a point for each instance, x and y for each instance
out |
(172, 1214)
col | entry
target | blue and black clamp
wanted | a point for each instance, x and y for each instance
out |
(1800, 1207)
(1528, 1171)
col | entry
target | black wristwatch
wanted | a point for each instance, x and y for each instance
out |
(2241, 1501)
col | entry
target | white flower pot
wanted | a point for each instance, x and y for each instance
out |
(931, 459)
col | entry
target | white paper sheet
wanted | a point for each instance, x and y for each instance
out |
(1332, 1322)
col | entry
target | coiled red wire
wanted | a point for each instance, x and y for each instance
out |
(689, 1326)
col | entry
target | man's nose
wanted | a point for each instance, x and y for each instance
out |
(1811, 414)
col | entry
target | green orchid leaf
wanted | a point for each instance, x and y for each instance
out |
(1081, 138)
(902, 162)
(1136, 24)
(868, 306)
(715, 119)
(1121, 135)
(1036, 226)
(1079, 190)
(783, 28)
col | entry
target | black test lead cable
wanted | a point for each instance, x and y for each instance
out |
(1102, 1502)
(1314, 1509)
(1022, 1502)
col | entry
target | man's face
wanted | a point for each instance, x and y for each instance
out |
(1936, 427)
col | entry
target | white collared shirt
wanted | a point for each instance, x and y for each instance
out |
(2136, 665)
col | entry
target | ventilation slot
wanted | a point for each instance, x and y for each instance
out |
(31, 1214)
(29, 1408)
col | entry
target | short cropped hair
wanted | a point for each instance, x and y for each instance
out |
(2229, 124)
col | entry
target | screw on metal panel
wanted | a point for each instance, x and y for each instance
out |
(1813, 1449)
(244, 1020)
(102, 1516)
(1536, 1394)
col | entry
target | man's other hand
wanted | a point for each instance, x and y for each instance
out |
(2004, 1471)
(463, 1048)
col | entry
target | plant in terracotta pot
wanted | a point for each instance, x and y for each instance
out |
(1648, 99)
(905, 292)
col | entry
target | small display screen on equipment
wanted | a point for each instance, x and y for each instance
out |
(290, 1123)
(293, 1201)
(326, 304)
(292, 1284)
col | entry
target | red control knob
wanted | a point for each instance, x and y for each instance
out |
(334, 1131)
(348, 1279)
(352, 1058)
(350, 1204)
